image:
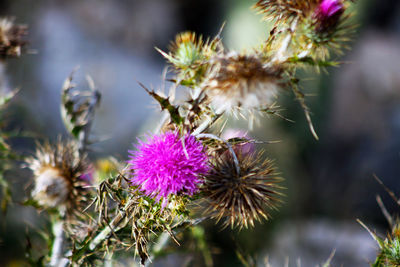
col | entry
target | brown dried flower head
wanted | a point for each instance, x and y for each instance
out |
(11, 38)
(285, 10)
(241, 198)
(59, 175)
(241, 81)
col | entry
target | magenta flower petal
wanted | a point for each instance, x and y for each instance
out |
(167, 164)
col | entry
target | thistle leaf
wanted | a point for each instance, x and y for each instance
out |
(166, 105)
(4, 99)
(6, 194)
(78, 108)
(313, 62)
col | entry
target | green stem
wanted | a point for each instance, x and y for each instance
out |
(116, 224)
(57, 259)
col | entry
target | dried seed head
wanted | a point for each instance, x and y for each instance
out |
(51, 188)
(285, 10)
(11, 38)
(58, 172)
(241, 198)
(241, 81)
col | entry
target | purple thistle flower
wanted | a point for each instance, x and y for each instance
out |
(329, 8)
(328, 14)
(167, 164)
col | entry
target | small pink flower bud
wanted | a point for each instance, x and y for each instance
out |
(328, 14)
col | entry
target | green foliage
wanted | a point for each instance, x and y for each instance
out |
(6, 194)
(6, 157)
(313, 62)
(165, 104)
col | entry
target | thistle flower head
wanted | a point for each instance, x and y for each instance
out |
(327, 15)
(241, 81)
(11, 38)
(389, 247)
(167, 164)
(57, 175)
(329, 8)
(244, 197)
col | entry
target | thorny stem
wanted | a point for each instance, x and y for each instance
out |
(235, 159)
(306, 52)
(116, 224)
(300, 97)
(93, 103)
(166, 236)
(158, 247)
(208, 122)
(280, 55)
(56, 253)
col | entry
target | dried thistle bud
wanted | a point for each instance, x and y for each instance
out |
(241, 81)
(244, 197)
(51, 188)
(58, 175)
(11, 38)
(327, 15)
(285, 10)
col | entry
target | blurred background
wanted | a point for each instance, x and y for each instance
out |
(356, 111)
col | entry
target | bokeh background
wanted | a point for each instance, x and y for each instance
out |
(356, 111)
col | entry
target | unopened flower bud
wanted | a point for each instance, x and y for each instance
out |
(327, 15)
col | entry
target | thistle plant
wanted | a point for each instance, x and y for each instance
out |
(388, 247)
(146, 200)
(12, 45)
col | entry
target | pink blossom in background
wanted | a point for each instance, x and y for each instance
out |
(88, 175)
(241, 148)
